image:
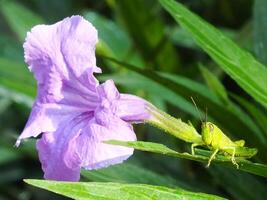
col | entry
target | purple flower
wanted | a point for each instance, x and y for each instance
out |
(72, 111)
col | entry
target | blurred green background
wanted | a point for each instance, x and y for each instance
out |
(140, 33)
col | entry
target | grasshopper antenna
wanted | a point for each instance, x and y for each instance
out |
(206, 115)
(196, 108)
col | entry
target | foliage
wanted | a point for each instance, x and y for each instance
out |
(149, 54)
(95, 190)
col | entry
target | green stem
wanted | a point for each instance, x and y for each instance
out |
(173, 126)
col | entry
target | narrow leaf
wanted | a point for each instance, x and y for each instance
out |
(22, 81)
(237, 183)
(7, 155)
(258, 114)
(156, 49)
(214, 84)
(19, 18)
(187, 88)
(136, 81)
(123, 173)
(217, 87)
(260, 30)
(237, 63)
(97, 191)
(201, 156)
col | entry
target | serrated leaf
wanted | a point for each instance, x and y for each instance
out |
(237, 63)
(97, 191)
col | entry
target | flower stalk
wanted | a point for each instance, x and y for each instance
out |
(173, 126)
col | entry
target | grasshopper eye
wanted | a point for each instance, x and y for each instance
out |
(211, 127)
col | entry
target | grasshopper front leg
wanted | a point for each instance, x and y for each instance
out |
(193, 147)
(212, 156)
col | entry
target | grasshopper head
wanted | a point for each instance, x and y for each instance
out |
(207, 130)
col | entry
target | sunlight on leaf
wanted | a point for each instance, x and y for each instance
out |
(201, 156)
(237, 63)
(96, 190)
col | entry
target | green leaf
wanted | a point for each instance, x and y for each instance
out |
(258, 114)
(16, 70)
(113, 40)
(15, 75)
(136, 81)
(19, 18)
(7, 155)
(123, 173)
(239, 64)
(4, 102)
(15, 96)
(182, 38)
(260, 30)
(237, 183)
(10, 48)
(97, 191)
(214, 84)
(201, 156)
(10, 175)
(185, 88)
(117, 41)
(152, 42)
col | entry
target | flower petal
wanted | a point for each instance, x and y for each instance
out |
(54, 169)
(79, 144)
(96, 154)
(62, 58)
(108, 90)
(67, 47)
(57, 153)
(47, 118)
(131, 108)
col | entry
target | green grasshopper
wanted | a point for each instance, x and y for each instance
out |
(211, 136)
(216, 140)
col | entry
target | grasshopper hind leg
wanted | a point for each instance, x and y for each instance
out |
(233, 156)
(240, 143)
